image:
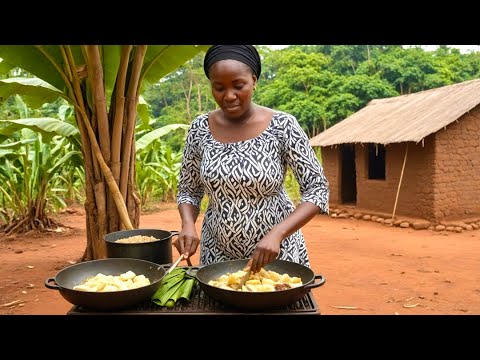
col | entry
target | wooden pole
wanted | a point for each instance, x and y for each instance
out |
(400, 182)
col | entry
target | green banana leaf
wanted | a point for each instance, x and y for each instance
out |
(44, 62)
(176, 285)
(34, 91)
(48, 127)
(148, 138)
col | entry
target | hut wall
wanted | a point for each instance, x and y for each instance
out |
(331, 166)
(415, 198)
(457, 172)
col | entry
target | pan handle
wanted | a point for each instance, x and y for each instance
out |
(192, 270)
(316, 284)
(50, 286)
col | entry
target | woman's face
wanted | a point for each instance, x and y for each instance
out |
(232, 86)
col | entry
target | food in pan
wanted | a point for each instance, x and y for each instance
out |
(136, 239)
(104, 283)
(261, 281)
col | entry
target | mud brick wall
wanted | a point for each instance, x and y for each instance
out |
(415, 197)
(331, 168)
(457, 173)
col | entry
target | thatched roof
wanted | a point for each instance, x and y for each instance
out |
(409, 117)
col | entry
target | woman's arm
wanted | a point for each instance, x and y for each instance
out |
(268, 248)
(190, 192)
(188, 240)
(314, 189)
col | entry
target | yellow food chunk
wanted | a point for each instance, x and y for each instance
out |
(274, 276)
(262, 281)
(268, 287)
(232, 280)
(104, 283)
(110, 288)
(128, 275)
(267, 281)
(82, 288)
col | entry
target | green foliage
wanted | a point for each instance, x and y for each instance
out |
(38, 175)
(41, 165)
(323, 84)
(158, 169)
(292, 187)
(35, 92)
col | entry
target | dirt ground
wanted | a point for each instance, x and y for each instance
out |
(369, 268)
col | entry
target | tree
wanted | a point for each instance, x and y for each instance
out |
(103, 84)
(294, 81)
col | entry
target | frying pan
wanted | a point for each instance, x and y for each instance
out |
(258, 300)
(76, 274)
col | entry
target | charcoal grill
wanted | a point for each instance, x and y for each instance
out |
(201, 304)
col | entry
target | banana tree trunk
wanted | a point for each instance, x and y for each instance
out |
(105, 208)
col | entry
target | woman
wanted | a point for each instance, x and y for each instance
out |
(238, 155)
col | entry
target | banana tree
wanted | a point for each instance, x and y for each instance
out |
(103, 84)
(33, 170)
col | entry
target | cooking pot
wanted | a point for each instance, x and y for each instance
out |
(258, 300)
(76, 274)
(159, 251)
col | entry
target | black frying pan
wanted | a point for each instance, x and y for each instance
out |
(258, 300)
(76, 274)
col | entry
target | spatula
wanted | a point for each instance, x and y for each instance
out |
(245, 277)
(174, 265)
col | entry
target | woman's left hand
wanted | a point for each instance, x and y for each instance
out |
(265, 252)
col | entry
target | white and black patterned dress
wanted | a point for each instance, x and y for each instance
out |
(244, 184)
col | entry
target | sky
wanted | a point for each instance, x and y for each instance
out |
(463, 48)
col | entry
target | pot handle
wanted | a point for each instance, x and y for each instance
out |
(50, 286)
(316, 284)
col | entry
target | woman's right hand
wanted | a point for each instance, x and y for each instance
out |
(187, 241)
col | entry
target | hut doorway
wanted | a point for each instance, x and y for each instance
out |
(348, 174)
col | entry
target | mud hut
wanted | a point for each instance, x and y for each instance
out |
(416, 155)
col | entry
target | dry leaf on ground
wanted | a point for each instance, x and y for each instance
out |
(345, 307)
(410, 306)
(12, 303)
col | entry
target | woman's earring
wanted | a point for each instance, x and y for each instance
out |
(254, 87)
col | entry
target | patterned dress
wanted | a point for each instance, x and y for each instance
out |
(244, 183)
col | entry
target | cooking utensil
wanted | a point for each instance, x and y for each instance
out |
(258, 300)
(159, 251)
(174, 264)
(76, 274)
(245, 277)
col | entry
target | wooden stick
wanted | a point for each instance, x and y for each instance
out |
(400, 182)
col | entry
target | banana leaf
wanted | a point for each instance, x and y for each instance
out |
(176, 285)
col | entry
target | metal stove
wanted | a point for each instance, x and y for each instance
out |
(201, 304)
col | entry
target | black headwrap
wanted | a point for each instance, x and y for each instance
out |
(244, 53)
